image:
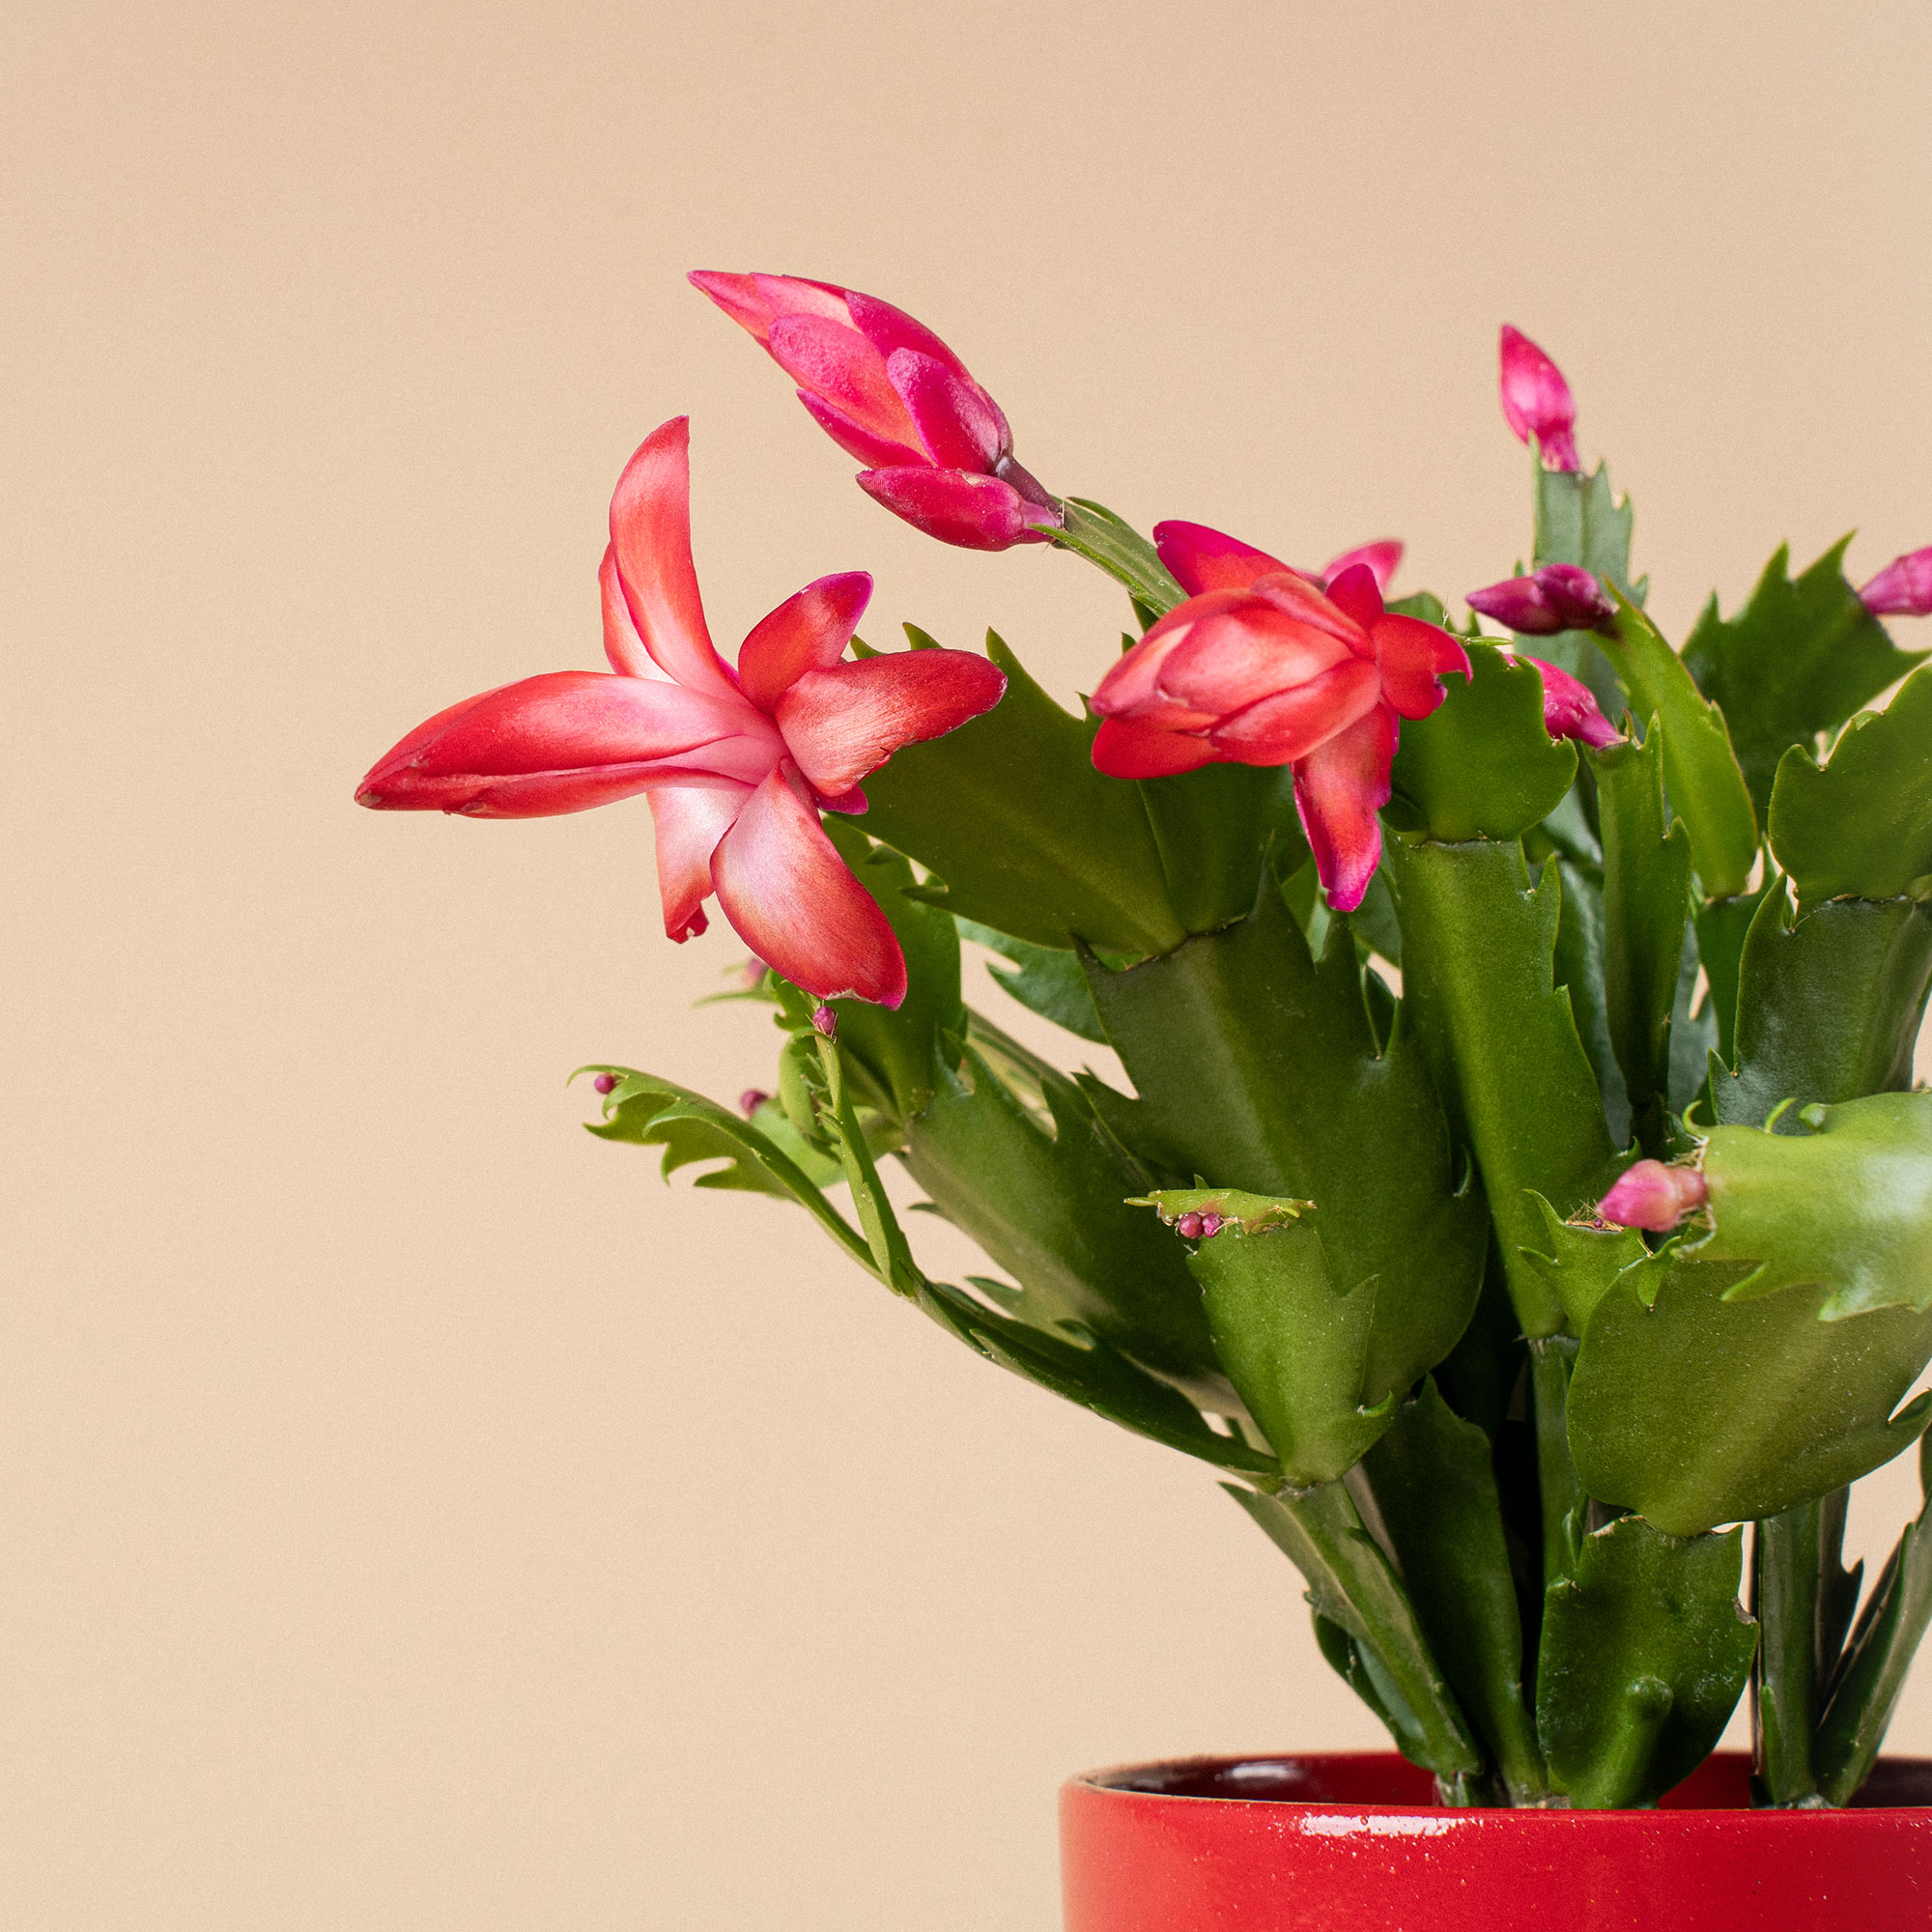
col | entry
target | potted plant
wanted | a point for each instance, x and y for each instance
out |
(1521, 1190)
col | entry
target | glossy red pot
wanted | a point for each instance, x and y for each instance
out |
(1354, 1843)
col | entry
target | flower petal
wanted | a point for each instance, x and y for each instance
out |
(1570, 708)
(621, 643)
(956, 506)
(807, 631)
(1231, 659)
(651, 533)
(1125, 750)
(1279, 729)
(888, 328)
(690, 819)
(1381, 558)
(755, 302)
(1200, 558)
(1338, 790)
(956, 424)
(833, 360)
(1412, 657)
(564, 742)
(1355, 592)
(876, 452)
(842, 722)
(793, 901)
(1903, 589)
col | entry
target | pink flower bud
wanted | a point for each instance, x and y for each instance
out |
(825, 1021)
(1558, 597)
(1212, 1225)
(1189, 1225)
(1569, 710)
(1652, 1196)
(1537, 401)
(751, 1101)
(605, 1083)
(1903, 589)
(752, 975)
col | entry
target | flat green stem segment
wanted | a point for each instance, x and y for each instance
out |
(1094, 531)
(1020, 830)
(1644, 1655)
(1434, 1489)
(1803, 1600)
(1477, 949)
(1580, 520)
(1696, 1409)
(1828, 1006)
(1646, 903)
(1862, 826)
(1866, 1693)
(1564, 1502)
(1352, 1586)
(1800, 657)
(1260, 1070)
(1707, 790)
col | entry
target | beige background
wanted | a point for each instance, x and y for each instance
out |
(414, 1516)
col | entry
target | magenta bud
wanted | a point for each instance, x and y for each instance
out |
(1569, 710)
(1211, 1224)
(1653, 1197)
(751, 1101)
(825, 1021)
(605, 1083)
(1537, 401)
(1190, 1225)
(752, 975)
(1558, 597)
(1903, 589)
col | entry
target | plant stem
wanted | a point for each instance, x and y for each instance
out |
(1788, 1574)
(1550, 1359)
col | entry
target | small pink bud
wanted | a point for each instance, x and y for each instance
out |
(1903, 589)
(825, 1021)
(1537, 401)
(1558, 597)
(1569, 710)
(1652, 1196)
(751, 1101)
(1190, 1225)
(752, 975)
(605, 1083)
(1211, 1224)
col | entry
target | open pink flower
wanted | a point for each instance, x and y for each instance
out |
(736, 764)
(1903, 589)
(1199, 558)
(937, 448)
(1259, 666)
(1537, 401)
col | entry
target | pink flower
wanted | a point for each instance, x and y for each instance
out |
(937, 448)
(1569, 710)
(1652, 1196)
(1259, 667)
(736, 764)
(1558, 597)
(1537, 401)
(1200, 558)
(1903, 589)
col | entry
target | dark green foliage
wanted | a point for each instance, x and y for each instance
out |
(1695, 1410)
(1478, 943)
(1862, 826)
(1048, 981)
(1483, 766)
(1799, 657)
(1803, 1600)
(1213, 829)
(1435, 1488)
(1645, 1653)
(1646, 903)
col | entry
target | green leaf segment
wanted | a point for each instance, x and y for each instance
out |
(1335, 1236)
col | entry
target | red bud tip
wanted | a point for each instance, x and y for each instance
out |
(751, 1101)
(605, 1083)
(1653, 1197)
(825, 1021)
(1537, 401)
(1903, 589)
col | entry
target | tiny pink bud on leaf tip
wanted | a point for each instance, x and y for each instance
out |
(1190, 1225)
(751, 1101)
(1903, 589)
(605, 1083)
(1653, 1197)
(825, 1021)
(1211, 1224)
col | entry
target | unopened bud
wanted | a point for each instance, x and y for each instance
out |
(1211, 1224)
(751, 1101)
(605, 1083)
(1903, 589)
(825, 1021)
(1653, 1197)
(1558, 597)
(752, 975)
(1189, 1225)
(1537, 401)
(1569, 710)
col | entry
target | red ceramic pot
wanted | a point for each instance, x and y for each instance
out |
(1354, 1843)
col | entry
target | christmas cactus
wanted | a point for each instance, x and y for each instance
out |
(1520, 1188)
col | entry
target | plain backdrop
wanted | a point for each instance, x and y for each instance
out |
(412, 1514)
